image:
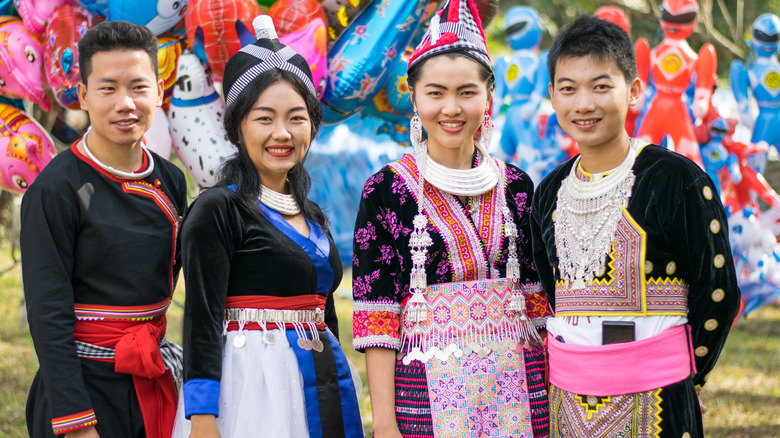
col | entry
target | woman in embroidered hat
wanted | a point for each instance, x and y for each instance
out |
(261, 350)
(447, 301)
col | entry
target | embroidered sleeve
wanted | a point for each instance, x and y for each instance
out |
(69, 423)
(377, 267)
(713, 300)
(520, 193)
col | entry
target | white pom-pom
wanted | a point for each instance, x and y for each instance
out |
(264, 27)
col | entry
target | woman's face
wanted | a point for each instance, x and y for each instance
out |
(277, 131)
(451, 99)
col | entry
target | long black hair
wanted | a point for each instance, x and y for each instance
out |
(241, 171)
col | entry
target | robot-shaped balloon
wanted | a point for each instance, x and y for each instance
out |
(761, 78)
(672, 65)
(750, 184)
(717, 160)
(521, 83)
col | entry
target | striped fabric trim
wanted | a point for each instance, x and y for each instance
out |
(368, 306)
(268, 60)
(73, 422)
(171, 352)
(133, 313)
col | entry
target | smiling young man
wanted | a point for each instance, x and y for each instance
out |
(630, 242)
(99, 256)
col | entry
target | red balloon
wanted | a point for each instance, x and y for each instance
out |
(293, 15)
(217, 29)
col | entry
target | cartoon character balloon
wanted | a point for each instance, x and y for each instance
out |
(36, 13)
(21, 63)
(761, 78)
(61, 54)
(27, 149)
(97, 7)
(673, 63)
(521, 85)
(158, 15)
(195, 117)
(217, 29)
(169, 48)
(361, 60)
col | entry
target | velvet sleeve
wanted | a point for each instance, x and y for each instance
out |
(377, 266)
(713, 294)
(50, 218)
(520, 189)
(210, 234)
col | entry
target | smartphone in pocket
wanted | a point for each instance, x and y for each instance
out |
(616, 332)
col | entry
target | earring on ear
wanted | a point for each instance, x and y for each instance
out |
(415, 132)
(487, 130)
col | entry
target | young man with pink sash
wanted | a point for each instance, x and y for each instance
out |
(631, 244)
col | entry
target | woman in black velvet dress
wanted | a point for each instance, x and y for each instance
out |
(260, 331)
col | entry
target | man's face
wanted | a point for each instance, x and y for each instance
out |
(121, 97)
(591, 99)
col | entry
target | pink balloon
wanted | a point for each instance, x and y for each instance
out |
(21, 63)
(311, 42)
(27, 149)
(36, 13)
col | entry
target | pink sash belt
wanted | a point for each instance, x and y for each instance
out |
(625, 368)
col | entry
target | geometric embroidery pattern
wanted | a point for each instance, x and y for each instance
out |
(624, 290)
(635, 415)
(489, 394)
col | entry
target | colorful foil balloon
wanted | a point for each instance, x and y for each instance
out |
(61, 53)
(21, 63)
(311, 42)
(399, 95)
(158, 15)
(36, 13)
(196, 122)
(169, 48)
(341, 13)
(217, 29)
(362, 58)
(27, 149)
(97, 7)
(292, 15)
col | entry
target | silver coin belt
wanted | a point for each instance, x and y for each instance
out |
(299, 319)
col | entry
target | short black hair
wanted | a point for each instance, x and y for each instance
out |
(116, 35)
(592, 36)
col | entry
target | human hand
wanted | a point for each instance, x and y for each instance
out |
(86, 432)
(701, 405)
(204, 426)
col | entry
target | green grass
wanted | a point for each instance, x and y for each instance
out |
(742, 395)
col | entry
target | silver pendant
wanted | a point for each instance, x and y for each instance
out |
(317, 345)
(304, 343)
(269, 338)
(239, 341)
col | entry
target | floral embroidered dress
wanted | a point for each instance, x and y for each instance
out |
(499, 392)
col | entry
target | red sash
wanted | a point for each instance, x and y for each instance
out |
(137, 347)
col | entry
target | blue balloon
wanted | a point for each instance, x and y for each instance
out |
(363, 56)
(158, 15)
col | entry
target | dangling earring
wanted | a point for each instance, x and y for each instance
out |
(487, 130)
(415, 132)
